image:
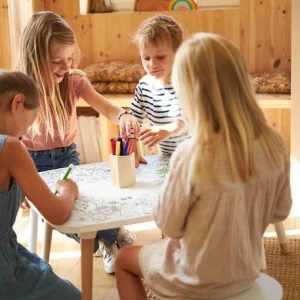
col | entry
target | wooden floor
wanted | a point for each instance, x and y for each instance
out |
(65, 253)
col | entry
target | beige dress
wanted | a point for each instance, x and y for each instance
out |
(213, 243)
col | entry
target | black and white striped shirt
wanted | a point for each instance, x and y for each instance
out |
(161, 106)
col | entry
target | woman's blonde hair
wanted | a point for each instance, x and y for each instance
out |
(157, 29)
(13, 83)
(43, 30)
(212, 81)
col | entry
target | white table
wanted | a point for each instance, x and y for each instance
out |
(101, 206)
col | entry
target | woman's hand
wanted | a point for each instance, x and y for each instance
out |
(129, 126)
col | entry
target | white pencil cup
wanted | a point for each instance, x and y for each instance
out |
(122, 170)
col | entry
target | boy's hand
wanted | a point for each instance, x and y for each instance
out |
(153, 135)
(67, 187)
(139, 159)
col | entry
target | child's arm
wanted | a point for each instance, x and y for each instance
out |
(155, 134)
(175, 200)
(128, 123)
(19, 165)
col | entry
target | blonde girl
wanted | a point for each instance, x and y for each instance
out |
(23, 275)
(226, 184)
(48, 52)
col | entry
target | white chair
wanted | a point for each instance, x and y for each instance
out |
(279, 228)
(264, 288)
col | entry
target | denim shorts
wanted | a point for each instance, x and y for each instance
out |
(46, 160)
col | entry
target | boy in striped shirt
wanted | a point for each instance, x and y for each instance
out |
(157, 39)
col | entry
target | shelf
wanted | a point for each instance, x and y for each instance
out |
(123, 100)
(280, 101)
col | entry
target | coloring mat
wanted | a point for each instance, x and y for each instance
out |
(100, 203)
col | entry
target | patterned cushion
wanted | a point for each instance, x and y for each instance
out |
(272, 83)
(116, 71)
(114, 87)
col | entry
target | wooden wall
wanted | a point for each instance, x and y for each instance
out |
(262, 29)
(265, 34)
(5, 41)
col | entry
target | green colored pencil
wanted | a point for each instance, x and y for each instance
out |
(66, 175)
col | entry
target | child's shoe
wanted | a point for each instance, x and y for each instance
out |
(125, 238)
(109, 256)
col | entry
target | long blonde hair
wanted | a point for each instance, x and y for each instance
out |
(42, 30)
(212, 81)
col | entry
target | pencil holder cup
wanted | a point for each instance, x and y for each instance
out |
(122, 170)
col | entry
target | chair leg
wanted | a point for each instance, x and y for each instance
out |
(279, 228)
(33, 230)
(47, 241)
(263, 262)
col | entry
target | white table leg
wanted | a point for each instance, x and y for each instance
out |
(87, 247)
(279, 228)
(263, 262)
(47, 241)
(33, 230)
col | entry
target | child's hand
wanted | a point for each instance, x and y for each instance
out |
(153, 135)
(67, 187)
(139, 159)
(25, 204)
(129, 126)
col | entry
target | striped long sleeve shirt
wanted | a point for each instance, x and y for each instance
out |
(161, 106)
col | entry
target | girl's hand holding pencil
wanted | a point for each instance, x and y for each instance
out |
(67, 186)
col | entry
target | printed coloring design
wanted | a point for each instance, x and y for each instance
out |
(99, 202)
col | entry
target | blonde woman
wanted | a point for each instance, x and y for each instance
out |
(226, 184)
(48, 52)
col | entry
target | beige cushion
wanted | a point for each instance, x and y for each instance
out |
(116, 71)
(272, 83)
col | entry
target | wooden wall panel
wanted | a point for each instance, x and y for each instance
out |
(281, 119)
(5, 41)
(265, 34)
(261, 27)
(112, 32)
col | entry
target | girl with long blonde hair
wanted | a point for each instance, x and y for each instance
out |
(226, 184)
(48, 52)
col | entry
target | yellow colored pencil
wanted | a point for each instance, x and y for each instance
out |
(118, 148)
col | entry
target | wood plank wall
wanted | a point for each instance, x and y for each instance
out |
(262, 29)
(265, 34)
(5, 41)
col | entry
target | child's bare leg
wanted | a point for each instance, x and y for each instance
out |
(128, 274)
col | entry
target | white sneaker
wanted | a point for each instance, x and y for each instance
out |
(125, 238)
(109, 256)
